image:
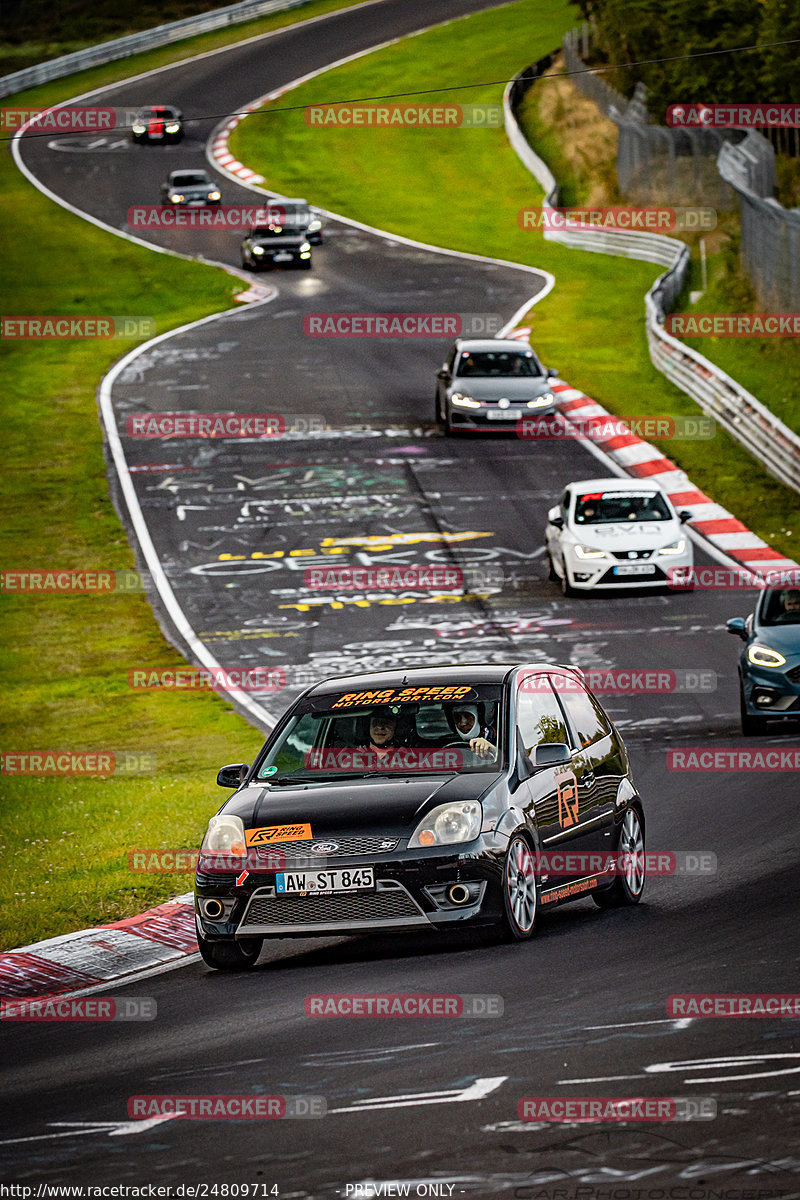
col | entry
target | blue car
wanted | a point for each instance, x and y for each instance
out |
(769, 665)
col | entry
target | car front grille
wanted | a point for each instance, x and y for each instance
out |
(631, 555)
(390, 902)
(368, 844)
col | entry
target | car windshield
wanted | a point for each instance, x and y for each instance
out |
(158, 114)
(781, 606)
(433, 729)
(605, 508)
(188, 178)
(500, 363)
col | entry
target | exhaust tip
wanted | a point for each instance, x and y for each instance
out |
(457, 893)
(212, 909)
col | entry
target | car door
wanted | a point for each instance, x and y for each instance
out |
(553, 790)
(596, 765)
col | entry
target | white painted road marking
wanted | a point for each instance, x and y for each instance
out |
(475, 1091)
(81, 1128)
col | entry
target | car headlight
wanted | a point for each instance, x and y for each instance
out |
(176, 198)
(448, 824)
(305, 247)
(541, 401)
(258, 249)
(138, 128)
(313, 226)
(214, 196)
(676, 547)
(173, 128)
(589, 552)
(462, 401)
(225, 833)
(762, 656)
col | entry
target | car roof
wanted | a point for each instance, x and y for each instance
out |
(450, 673)
(614, 483)
(189, 171)
(471, 344)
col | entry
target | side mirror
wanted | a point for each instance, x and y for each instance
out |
(737, 626)
(551, 373)
(684, 515)
(232, 776)
(442, 373)
(552, 754)
(554, 517)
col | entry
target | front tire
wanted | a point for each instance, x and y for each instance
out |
(551, 571)
(520, 892)
(628, 887)
(567, 589)
(230, 956)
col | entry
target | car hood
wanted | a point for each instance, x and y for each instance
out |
(784, 638)
(368, 805)
(196, 191)
(628, 535)
(513, 388)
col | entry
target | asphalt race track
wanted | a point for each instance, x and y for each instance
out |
(417, 1101)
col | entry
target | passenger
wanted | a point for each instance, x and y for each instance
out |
(465, 722)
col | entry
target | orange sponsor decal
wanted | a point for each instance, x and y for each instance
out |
(277, 833)
(567, 801)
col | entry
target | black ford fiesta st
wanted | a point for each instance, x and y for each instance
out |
(471, 795)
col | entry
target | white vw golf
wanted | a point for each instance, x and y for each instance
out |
(609, 533)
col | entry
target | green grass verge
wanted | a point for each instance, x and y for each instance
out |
(463, 188)
(64, 661)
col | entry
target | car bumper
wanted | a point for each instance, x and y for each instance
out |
(410, 893)
(768, 691)
(493, 420)
(608, 574)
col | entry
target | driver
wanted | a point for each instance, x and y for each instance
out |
(791, 600)
(383, 732)
(466, 723)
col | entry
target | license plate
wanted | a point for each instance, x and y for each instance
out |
(282, 256)
(502, 414)
(635, 569)
(294, 883)
(196, 203)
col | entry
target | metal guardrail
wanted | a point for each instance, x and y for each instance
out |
(133, 43)
(771, 442)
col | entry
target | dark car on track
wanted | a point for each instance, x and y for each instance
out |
(276, 244)
(193, 188)
(769, 665)
(158, 123)
(300, 213)
(421, 800)
(491, 383)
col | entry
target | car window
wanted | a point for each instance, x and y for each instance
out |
(781, 607)
(586, 715)
(539, 716)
